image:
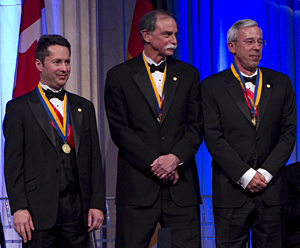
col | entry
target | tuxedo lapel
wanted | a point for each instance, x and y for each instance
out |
(265, 97)
(75, 113)
(42, 117)
(142, 80)
(171, 83)
(235, 90)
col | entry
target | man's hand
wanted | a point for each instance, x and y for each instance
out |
(164, 165)
(95, 219)
(257, 183)
(173, 176)
(23, 224)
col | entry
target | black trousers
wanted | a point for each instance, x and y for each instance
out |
(292, 238)
(266, 223)
(69, 229)
(135, 224)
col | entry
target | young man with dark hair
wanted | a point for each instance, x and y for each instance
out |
(52, 165)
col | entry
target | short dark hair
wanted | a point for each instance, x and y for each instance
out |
(148, 21)
(41, 51)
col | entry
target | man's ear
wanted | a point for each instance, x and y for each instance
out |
(146, 35)
(38, 65)
(231, 47)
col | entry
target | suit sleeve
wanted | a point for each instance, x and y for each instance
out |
(130, 145)
(98, 191)
(14, 157)
(280, 154)
(221, 151)
(188, 145)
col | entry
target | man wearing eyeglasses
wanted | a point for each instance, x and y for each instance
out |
(249, 128)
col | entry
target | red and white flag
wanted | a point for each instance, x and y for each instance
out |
(27, 76)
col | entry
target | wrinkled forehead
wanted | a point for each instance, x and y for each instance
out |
(249, 32)
(164, 19)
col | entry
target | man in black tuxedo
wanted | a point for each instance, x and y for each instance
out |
(249, 130)
(154, 118)
(52, 165)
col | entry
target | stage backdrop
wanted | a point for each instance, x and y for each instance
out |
(99, 31)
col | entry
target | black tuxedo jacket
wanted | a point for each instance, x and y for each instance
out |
(236, 145)
(132, 115)
(32, 162)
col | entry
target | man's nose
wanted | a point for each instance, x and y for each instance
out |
(63, 67)
(173, 39)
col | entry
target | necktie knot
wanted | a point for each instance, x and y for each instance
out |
(250, 79)
(160, 67)
(50, 94)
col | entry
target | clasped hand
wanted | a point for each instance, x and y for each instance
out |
(165, 168)
(257, 183)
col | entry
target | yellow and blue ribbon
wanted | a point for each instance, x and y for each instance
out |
(62, 129)
(159, 100)
(258, 86)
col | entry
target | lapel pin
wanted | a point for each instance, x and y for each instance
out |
(268, 85)
(175, 78)
(79, 109)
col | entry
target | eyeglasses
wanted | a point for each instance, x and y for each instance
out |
(251, 42)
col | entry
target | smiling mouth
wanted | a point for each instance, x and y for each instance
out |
(255, 56)
(62, 76)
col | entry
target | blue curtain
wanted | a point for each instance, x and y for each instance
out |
(202, 42)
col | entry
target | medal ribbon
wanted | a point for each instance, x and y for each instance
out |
(70, 137)
(252, 102)
(62, 129)
(159, 99)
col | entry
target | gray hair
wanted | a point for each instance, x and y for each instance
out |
(148, 21)
(232, 33)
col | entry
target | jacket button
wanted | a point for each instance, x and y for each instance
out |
(56, 170)
(162, 138)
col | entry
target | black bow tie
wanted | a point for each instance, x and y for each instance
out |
(160, 67)
(50, 94)
(250, 79)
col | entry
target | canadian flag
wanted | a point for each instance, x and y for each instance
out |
(27, 76)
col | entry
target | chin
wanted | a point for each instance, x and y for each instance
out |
(255, 65)
(169, 53)
(62, 84)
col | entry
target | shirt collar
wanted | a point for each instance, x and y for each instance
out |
(244, 75)
(150, 61)
(46, 87)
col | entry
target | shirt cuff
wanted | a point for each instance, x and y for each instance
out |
(181, 163)
(268, 176)
(246, 178)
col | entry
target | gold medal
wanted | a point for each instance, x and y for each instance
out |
(159, 118)
(66, 148)
(253, 120)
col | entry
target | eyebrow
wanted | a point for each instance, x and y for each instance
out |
(169, 32)
(53, 60)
